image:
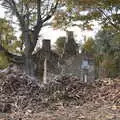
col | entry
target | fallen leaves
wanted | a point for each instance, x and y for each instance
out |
(65, 98)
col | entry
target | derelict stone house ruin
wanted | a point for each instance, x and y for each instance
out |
(52, 59)
(71, 63)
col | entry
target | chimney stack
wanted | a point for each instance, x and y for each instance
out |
(70, 35)
(46, 45)
(70, 47)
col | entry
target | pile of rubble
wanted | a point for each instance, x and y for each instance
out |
(19, 92)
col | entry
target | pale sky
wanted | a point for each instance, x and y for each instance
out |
(50, 33)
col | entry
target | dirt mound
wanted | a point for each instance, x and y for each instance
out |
(19, 92)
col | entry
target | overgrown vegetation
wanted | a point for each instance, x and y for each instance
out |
(106, 51)
(4, 62)
(59, 45)
(8, 40)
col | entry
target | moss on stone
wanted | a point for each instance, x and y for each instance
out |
(3, 60)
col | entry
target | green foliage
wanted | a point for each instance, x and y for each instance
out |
(7, 37)
(3, 60)
(104, 11)
(89, 46)
(110, 66)
(8, 41)
(60, 44)
(106, 51)
(107, 44)
(107, 41)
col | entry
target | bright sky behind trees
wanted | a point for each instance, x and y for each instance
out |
(50, 33)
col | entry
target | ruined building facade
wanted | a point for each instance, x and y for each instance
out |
(71, 63)
(45, 53)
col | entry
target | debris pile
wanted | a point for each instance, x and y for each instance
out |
(19, 92)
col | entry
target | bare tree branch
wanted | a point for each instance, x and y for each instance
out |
(51, 12)
(109, 19)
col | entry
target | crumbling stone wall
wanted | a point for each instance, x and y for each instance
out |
(73, 66)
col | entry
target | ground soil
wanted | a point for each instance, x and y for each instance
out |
(66, 98)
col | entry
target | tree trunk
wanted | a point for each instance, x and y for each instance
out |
(29, 66)
(30, 40)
